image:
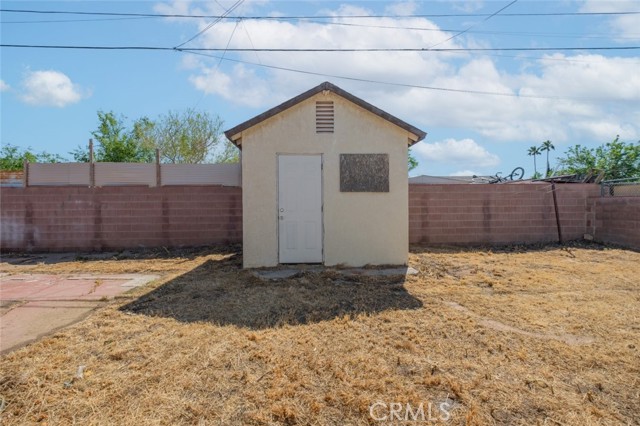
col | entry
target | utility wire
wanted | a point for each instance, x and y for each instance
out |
(510, 33)
(55, 21)
(312, 50)
(199, 52)
(250, 40)
(208, 27)
(40, 46)
(411, 86)
(221, 57)
(471, 26)
(226, 49)
(547, 58)
(352, 24)
(438, 15)
(414, 49)
(151, 48)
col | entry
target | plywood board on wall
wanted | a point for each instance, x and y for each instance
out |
(364, 173)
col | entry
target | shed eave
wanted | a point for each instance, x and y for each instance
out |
(235, 139)
(235, 133)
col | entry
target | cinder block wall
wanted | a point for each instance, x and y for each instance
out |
(78, 218)
(480, 214)
(617, 220)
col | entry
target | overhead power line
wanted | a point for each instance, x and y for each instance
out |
(221, 58)
(317, 50)
(387, 83)
(459, 33)
(362, 25)
(433, 15)
(416, 49)
(57, 21)
(223, 53)
(489, 32)
(208, 27)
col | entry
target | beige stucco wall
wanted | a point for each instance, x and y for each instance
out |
(359, 228)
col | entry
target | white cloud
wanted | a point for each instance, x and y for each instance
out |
(589, 95)
(464, 173)
(4, 86)
(237, 87)
(50, 88)
(468, 6)
(590, 89)
(214, 8)
(401, 8)
(624, 28)
(586, 76)
(627, 28)
(280, 85)
(605, 128)
(464, 152)
(190, 62)
(176, 7)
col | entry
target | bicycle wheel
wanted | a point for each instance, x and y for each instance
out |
(517, 173)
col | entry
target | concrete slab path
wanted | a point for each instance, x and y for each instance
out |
(34, 305)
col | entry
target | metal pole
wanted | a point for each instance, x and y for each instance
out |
(555, 205)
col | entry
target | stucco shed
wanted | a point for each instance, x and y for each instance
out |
(324, 180)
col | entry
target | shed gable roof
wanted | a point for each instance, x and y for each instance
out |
(311, 92)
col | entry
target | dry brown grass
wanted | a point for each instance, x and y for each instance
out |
(535, 336)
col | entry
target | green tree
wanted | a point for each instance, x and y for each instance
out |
(229, 154)
(534, 151)
(142, 133)
(547, 146)
(192, 137)
(617, 159)
(80, 154)
(12, 157)
(413, 163)
(117, 144)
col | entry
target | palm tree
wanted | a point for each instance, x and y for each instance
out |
(534, 151)
(547, 146)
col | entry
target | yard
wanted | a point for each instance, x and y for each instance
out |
(524, 335)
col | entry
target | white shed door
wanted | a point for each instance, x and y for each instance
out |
(300, 208)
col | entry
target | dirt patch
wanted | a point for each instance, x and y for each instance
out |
(500, 326)
(212, 344)
(238, 297)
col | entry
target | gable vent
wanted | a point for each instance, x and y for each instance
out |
(324, 117)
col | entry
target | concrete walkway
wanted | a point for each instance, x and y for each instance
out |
(34, 305)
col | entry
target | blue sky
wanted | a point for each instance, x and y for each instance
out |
(49, 98)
